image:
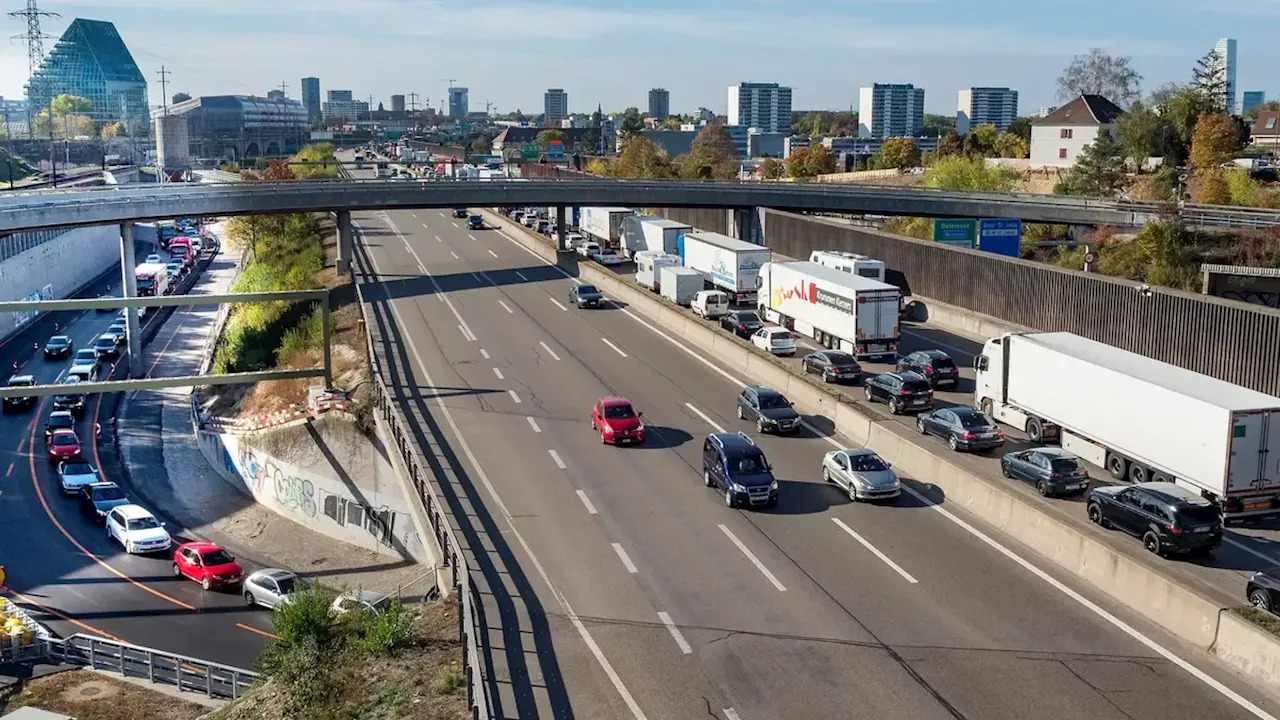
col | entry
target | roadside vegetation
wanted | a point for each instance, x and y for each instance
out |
(404, 662)
(87, 695)
(1263, 619)
(20, 169)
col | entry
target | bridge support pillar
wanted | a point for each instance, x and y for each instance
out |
(129, 287)
(561, 228)
(346, 244)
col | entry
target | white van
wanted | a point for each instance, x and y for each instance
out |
(710, 304)
(196, 246)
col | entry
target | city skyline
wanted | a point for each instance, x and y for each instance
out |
(210, 49)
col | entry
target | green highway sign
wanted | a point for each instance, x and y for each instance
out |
(529, 151)
(957, 233)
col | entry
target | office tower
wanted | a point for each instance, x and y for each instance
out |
(1225, 49)
(986, 106)
(311, 96)
(340, 96)
(555, 105)
(397, 103)
(1252, 99)
(659, 104)
(886, 111)
(761, 105)
(91, 61)
(458, 102)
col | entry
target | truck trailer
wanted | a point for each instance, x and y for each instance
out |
(649, 268)
(679, 284)
(727, 263)
(631, 238)
(663, 235)
(1139, 418)
(839, 310)
(152, 279)
(604, 224)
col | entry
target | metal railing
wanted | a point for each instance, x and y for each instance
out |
(474, 664)
(187, 674)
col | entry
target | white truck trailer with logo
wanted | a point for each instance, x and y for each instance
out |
(727, 263)
(841, 311)
(1137, 417)
(603, 224)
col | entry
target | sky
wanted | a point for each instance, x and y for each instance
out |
(509, 52)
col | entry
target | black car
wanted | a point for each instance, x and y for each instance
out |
(743, 323)
(1168, 517)
(902, 392)
(72, 402)
(475, 222)
(833, 366)
(1052, 470)
(106, 346)
(59, 420)
(459, 212)
(963, 428)
(18, 403)
(58, 346)
(933, 365)
(97, 499)
(585, 296)
(735, 465)
(1263, 589)
(768, 409)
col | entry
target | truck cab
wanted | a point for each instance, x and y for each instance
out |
(990, 393)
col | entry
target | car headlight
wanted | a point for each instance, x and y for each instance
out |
(102, 513)
(773, 485)
(737, 488)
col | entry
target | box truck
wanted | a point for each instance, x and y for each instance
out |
(680, 284)
(727, 263)
(1139, 418)
(603, 224)
(631, 238)
(649, 268)
(152, 279)
(663, 235)
(840, 311)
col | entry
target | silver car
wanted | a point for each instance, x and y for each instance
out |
(270, 587)
(861, 473)
(368, 600)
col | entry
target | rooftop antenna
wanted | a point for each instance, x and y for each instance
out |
(284, 89)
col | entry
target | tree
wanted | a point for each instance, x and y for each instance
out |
(316, 153)
(1209, 186)
(588, 142)
(1210, 78)
(981, 140)
(1009, 145)
(938, 125)
(715, 139)
(1022, 128)
(1183, 106)
(813, 160)
(1098, 73)
(1268, 106)
(1215, 141)
(1144, 133)
(278, 170)
(543, 138)
(771, 169)
(482, 145)
(602, 166)
(896, 153)
(1099, 170)
(632, 123)
(671, 123)
(712, 155)
(949, 144)
(958, 172)
(116, 129)
(642, 158)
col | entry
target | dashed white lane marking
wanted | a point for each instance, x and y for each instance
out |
(454, 254)
(675, 633)
(550, 352)
(534, 424)
(626, 559)
(557, 302)
(556, 457)
(505, 307)
(705, 417)
(498, 372)
(582, 495)
(473, 237)
(484, 353)
(514, 396)
(875, 551)
(493, 253)
(754, 560)
(615, 347)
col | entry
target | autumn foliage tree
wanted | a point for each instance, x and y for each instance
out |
(808, 162)
(277, 171)
(771, 169)
(643, 159)
(949, 144)
(1009, 145)
(712, 156)
(1210, 186)
(1215, 141)
(896, 153)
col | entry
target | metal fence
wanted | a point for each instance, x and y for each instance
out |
(220, 682)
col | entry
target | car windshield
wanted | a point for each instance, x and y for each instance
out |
(615, 412)
(85, 354)
(1066, 465)
(61, 421)
(217, 557)
(973, 419)
(747, 318)
(77, 469)
(587, 290)
(746, 465)
(290, 584)
(57, 341)
(21, 383)
(841, 360)
(108, 493)
(144, 523)
(105, 340)
(65, 440)
(773, 402)
(943, 363)
(867, 463)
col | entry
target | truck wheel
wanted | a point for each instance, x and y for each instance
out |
(1138, 473)
(1161, 477)
(1035, 430)
(1117, 466)
(985, 407)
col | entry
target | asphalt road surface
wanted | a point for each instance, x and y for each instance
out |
(628, 590)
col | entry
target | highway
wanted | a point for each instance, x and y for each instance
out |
(60, 564)
(627, 589)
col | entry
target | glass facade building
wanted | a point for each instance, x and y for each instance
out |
(91, 60)
(237, 127)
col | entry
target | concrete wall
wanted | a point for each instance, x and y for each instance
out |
(55, 269)
(324, 475)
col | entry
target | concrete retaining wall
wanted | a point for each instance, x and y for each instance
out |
(55, 269)
(1074, 549)
(1240, 646)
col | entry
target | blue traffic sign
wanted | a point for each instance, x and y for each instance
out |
(1002, 236)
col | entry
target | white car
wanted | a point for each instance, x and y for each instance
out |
(75, 475)
(775, 340)
(271, 588)
(83, 372)
(153, 258)
(137, 530)
(607, 257)
(588, 249)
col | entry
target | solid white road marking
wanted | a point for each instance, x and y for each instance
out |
(514, 396)
(731, 714)
(590, 641)
(556, 456)
(504, 307)
(615, 347)
(550, 352)
(415, 215)
(498, 372)
(626, 560)
(493, 253)
(582, 495)
(484, 353)
(466, 333)
(675, 633)
(884, 558)
(754, 560)
(557, 302)
(704, 417)
(454, 254)
(521, 276)
(534, 424)
(1262, 556)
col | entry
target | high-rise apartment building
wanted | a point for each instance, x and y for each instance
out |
(311, 96)
(397, 103)
(555, 105)
(1252, 99)
(340, 96)
(1225, 50)
(986, 106)
(761, 105)
(90, 60)
(890, 110)
(659, 104)
(458, 102)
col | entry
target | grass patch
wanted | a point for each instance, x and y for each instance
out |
(87, 695)
(1263, 619)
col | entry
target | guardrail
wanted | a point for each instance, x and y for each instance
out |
(187, 674)
(473, 661)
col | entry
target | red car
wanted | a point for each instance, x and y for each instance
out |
(207, 564)
(617, 421)
(63, 445)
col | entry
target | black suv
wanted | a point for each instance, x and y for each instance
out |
(106, 346)
(459, 212)
(769, 409)
(1263, 589)
(902, 392)
(743, 323)
(736, 466)
(14, 402)
(1168, 517)
(59, 420)
(933, 365)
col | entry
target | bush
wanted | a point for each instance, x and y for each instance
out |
(385, 632)
(958, 172)
(449, 679)
(309, 640)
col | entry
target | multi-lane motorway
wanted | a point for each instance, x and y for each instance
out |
(626, 589)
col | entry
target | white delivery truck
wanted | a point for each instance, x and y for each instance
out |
(631, 238)
(852, 263)
(680, 284)
(727, 263)
(663, 235)
(1139, 418)
(841, 311)
(152, 279)
(603, 224)
(649, 268)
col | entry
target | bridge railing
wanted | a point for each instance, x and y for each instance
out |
(187, 674)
